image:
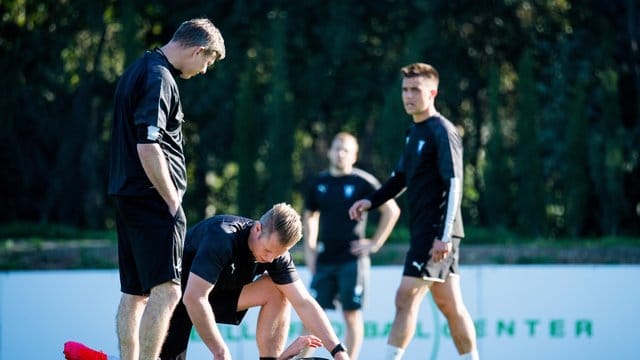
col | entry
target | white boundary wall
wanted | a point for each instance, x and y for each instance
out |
(521, 312)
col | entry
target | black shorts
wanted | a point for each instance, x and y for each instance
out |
(418, 262)
(345, 283)
(150, 243)
(224, 304)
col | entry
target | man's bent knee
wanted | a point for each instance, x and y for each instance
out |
(276, 298)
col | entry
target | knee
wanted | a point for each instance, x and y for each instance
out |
(404, 300)
(353, 318)
(275, 297)
(449, 307)
(168, 293)
(446, 309)
(129, 303)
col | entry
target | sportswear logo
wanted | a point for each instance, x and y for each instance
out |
(418, 266)
(348, 190)
(420, 145)
(233, 267)
(358, 290)
(153, 133)
(322, 188)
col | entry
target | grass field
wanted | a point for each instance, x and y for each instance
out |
(26, 246)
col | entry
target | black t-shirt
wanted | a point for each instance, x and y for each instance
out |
(146, 95)
(217, 250)
(332, 196)
(432, 156)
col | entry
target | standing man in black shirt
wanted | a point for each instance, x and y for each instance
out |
(430, 170)
(233, 263)
(336, 250)
(148, 180)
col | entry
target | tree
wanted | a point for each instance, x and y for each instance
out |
(607, 156)
(279, 116)
(245, 146)
(576, 159)
(529, 199)
(339, 61)
(497, 197)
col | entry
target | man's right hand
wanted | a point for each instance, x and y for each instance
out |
(299, 344)
(358, 209)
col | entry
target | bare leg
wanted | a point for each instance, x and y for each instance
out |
(408, 299)
(155, 320)
(354, 332)
(274, 316)
(128, 325)
(448, 298)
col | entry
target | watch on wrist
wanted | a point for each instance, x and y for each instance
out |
(337, 349)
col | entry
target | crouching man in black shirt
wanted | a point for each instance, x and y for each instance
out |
(231, 264)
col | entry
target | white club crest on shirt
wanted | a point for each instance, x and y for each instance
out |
(348, 190)
(322, 188)
(153, 133)
(421, 145)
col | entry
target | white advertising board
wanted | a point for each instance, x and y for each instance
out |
(520, 312)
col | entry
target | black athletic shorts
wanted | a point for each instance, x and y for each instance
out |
(418, 262)
(150, 243)
(224, 305)
(345, 283)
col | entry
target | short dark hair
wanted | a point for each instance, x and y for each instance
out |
(201, 32)
(420, 69)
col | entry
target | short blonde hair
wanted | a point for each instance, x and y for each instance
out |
(420, 69)
(285, 221)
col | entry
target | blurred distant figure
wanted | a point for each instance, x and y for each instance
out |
(336, 250)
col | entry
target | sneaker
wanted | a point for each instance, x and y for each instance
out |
(77, 351)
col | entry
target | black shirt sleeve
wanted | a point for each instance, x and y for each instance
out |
(211, 258)
(155, 103)
(392, 187)
(282, 270)
(450, 168)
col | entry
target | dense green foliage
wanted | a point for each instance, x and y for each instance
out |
(528, 167)
(546, 92)
(498, 192)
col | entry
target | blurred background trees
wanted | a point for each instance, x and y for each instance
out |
(547, 94)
